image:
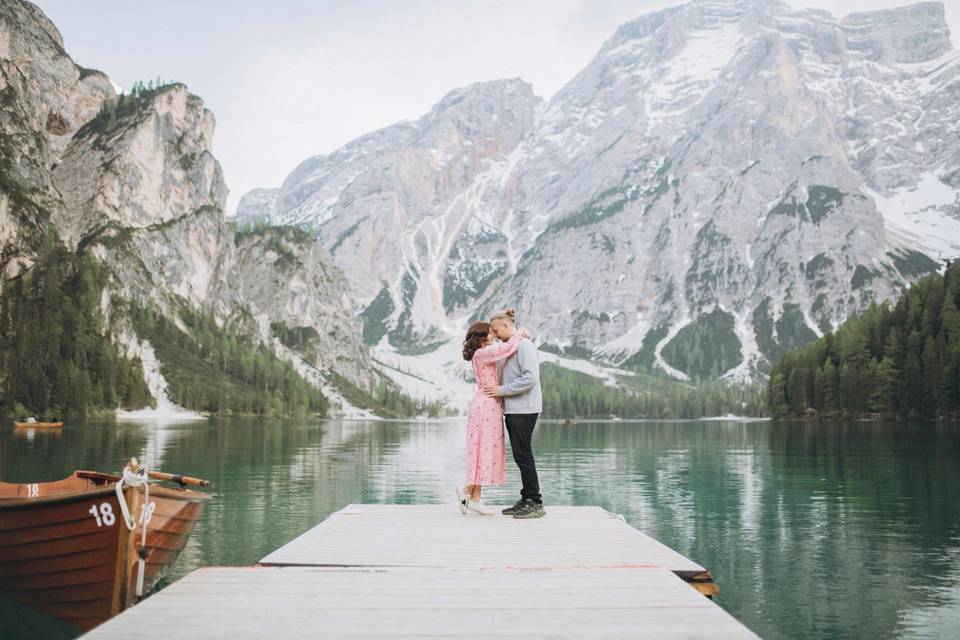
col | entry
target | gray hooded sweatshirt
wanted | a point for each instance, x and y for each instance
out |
(520, 380)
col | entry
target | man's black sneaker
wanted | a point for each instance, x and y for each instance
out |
(509, 511)
(530, 509)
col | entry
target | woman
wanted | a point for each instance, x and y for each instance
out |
(486, 454)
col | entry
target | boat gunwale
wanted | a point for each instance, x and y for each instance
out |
(182, 495)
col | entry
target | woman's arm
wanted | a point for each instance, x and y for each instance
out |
(497, 352)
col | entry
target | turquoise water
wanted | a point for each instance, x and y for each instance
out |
(811, 531)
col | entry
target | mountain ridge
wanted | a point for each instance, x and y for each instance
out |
(662, 212)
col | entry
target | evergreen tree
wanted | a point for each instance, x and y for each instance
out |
(53, 341)
(210, 368)
(898, 360)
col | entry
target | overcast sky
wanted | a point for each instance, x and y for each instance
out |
(288, 79)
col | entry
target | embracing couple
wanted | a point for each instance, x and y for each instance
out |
(513, 395)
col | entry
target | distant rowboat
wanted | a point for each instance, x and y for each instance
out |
(68, 552)
(37, 425)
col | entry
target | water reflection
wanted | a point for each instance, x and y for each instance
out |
(834, 530)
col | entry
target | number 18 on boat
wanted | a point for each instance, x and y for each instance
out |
(78, 551)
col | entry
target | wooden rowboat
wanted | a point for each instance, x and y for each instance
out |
(37, 425)
(66, 550)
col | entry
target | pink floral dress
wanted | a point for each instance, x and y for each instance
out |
(486, 453)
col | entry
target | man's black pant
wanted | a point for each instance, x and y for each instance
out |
(520, 428)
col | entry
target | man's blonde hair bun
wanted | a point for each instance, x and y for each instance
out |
(507, 314)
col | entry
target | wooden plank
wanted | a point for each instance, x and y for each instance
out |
(400, 602)
(440, 536)
(427, 571)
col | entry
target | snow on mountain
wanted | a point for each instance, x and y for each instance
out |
(723, 181)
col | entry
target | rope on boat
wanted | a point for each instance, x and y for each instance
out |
(137, 478)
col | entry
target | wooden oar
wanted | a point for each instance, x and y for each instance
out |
(179, 479)
(182, 480)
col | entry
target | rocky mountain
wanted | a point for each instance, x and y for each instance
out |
(44, 99)
(389, 205)
(724, 180)
(131, 181)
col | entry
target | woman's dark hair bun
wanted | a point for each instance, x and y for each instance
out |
(476, 337)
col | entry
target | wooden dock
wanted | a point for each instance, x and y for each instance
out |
(418, 571)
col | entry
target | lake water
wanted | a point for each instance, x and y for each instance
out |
(810, 531)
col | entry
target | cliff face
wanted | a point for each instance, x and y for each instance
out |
(723, 181)
(153, 165)
(132, 181)
(44, 99)
(303, 299)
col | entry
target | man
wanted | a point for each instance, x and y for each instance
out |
(522, 404)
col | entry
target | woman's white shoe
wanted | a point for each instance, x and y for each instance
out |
(462, 500)
(477, 506)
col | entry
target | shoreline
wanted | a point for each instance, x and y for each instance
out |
(158, 415)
